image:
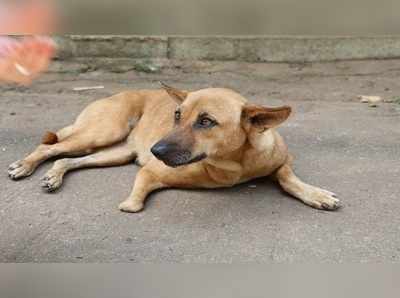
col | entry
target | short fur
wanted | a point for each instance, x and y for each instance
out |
(216, 140)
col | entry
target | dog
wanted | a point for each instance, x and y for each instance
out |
(210, 138)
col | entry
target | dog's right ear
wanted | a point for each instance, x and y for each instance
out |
(178, 95)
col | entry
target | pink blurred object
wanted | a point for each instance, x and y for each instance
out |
(23, 59)
(28, 17)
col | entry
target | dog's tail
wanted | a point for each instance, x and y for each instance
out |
(49, 138)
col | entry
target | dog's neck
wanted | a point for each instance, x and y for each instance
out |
(262, 141)
(228, 170)
(225, 170)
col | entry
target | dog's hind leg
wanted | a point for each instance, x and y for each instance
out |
(113, 156)
(64, 133)
(26, 166)
(78, 143)
(308, 194)
(103, 123)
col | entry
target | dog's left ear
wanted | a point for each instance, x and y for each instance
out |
(263, 118)
(178, 95)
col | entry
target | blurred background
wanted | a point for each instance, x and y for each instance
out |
(231, 17)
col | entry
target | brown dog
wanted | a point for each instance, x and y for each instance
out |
(215, 139)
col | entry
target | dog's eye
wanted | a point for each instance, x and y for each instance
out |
(205, 122)
(177, 115)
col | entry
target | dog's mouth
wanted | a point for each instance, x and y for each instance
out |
(182, 159)
(174, 155)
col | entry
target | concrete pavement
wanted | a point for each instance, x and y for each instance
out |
(339, 144)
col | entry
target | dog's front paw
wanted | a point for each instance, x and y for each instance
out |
(51, 181)
(130, 205)
(20, 169)
(322, 199)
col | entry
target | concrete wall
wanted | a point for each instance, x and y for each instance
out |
(248, 48)
(231, 17)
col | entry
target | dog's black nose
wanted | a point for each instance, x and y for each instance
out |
(160, 149)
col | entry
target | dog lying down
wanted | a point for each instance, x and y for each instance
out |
(203, 139)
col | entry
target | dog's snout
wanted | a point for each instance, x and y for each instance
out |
(160, 149)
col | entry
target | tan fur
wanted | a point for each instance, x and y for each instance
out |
(244, 145)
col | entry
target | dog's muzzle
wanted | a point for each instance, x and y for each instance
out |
(174, 155)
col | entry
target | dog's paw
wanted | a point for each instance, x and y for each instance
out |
(131, 206)
(20, 169)
(322, 199)
(51, 181)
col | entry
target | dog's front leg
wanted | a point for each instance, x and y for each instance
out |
(311, 195)
(145, 183)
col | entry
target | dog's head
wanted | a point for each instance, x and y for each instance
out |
(212, 123)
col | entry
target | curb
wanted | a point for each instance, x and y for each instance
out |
(229, 48)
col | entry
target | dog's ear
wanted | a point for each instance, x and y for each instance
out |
(263, 118)
(178, 95)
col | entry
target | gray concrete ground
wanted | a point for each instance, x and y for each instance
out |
(339, 144)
